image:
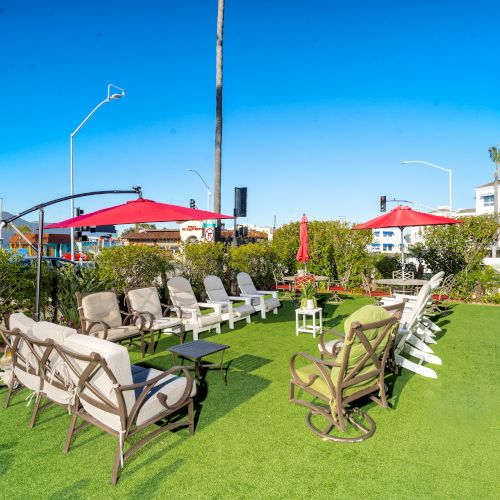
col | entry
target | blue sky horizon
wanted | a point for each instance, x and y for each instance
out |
(321, 103)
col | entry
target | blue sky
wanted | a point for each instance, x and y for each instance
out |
(322, 100)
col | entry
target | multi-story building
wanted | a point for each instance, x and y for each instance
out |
(485, 199)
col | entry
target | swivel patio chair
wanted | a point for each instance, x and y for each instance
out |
(188, 308)
(259, 301)
(123, 399)
(100, 316)
(217, 295)
(145, 302)
(357, 371)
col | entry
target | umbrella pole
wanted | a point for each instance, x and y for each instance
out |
(402, 250)
(39, 265)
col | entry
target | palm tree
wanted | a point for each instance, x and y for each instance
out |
(218, 109)
(495, 157)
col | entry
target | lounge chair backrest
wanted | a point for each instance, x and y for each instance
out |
(365, 350)
(21, 322)
(245, 284)
(215, 289)
(438, 277)
(145, 300)
(100, 306)
(181, 293)
(420, 304)
(97, 368)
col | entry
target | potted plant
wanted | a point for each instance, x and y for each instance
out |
(308, 292)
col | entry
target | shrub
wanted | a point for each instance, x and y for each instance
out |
(256, 259)
(134, 265)
(203, 259)
(386, 265)
(333, 248)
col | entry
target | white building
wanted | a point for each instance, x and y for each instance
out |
(485, 199)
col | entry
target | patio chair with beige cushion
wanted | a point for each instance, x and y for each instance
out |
(145, 302)
(217, 295)
(123, 399)
(100, 316)
(189, 309)
(259, 301)
(36, 365)
(357, 371)
(339, 286)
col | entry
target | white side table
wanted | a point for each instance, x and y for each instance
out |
(308, 328)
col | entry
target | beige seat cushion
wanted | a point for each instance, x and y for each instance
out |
(118, 361)
(119, 333)
(173, 387)
(164, 323)
(272, 303)
(243, 310)
(145, 300)
(102, 306)
(215, 289)
(209, 319)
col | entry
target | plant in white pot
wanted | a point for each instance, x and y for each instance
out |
(308, 292)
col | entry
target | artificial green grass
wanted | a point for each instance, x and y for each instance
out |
(440, 439)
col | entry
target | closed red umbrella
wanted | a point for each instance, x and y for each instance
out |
(303, 252)
(402, 217)
(138, 211)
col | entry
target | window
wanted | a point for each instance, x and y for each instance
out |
(489, 200)
(388, 247)
(376, 233)
(388, 233)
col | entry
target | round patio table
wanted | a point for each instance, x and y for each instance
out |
(401, 282)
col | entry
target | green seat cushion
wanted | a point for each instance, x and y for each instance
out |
(366, 314)
(321, 386)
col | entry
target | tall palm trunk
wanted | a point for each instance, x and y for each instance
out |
(218, 109)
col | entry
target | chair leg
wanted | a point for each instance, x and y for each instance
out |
(217, 328)
(69, 434)
(117, 466)
(191, 417)
(143, 345)
(35, 410)
(195, 333)
(9, 393)
(248, 319)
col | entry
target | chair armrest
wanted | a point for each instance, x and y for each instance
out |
(129, 317)
(145, 316)
(323, 366)
(148, 386)
(91, 324)
(217, 306)
(247, 300)
(273, 293)
(321, 344)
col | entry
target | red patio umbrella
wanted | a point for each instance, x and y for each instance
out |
(402, 217)
(303, 252)
(138, 211)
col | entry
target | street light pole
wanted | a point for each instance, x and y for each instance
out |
(206, 185)
(439, 168)
(114, 95)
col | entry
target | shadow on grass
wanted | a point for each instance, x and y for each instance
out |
(75, 491)
(6, 457)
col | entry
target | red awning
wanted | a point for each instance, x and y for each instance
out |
(138, 211)
(405, 217)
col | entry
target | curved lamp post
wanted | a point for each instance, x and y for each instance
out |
(206, 185)
(112, 94)
(439, 168)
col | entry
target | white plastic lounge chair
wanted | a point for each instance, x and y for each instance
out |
(259, 301)
(188, 308)
(217, 295)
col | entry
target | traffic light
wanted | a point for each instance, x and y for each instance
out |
(383, 200)
(192, 203)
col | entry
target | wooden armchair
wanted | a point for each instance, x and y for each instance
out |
(357, 371)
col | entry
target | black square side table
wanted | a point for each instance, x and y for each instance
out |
(196, 351)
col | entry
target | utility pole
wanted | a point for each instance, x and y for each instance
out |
(218, 113)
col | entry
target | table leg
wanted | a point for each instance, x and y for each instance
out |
(320, 320)
(296, 323)
(314, 324)
(221, 367)
(197, 369)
